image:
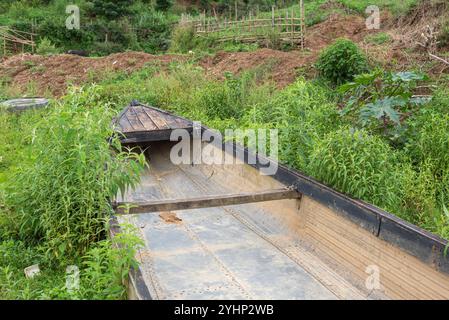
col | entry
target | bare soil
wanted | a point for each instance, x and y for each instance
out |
(51, 74)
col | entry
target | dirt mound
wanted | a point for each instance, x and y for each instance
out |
(52, 74)
(336, 26)
(282, 66)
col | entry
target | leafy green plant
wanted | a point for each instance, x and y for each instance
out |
(382, 100)
(46, 47)
(378, 38)
(302, 113)
(341, 61)
(359, 164)
(62, 197)
(183, 38)
(103, 270)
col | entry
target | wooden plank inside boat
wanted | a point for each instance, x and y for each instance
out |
(205, 201)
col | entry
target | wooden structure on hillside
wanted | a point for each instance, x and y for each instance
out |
(15, 41)
(286, 24)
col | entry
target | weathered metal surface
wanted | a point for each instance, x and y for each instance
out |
(232, 252)
(18, 105)
(205, 201)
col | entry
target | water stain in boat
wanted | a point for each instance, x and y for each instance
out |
(169, 217)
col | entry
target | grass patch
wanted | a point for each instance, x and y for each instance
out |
(378, 38)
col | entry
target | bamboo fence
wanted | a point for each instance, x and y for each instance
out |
(13, 41)
(287, 24)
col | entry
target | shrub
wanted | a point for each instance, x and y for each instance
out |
(62, 197)
(45, 47)
(106, 48)
(103, 271)
(111, 9)
(428, 147)
(154, 29)
(221, 100)
(183, 38)
(359, 164)
(341, 61)
(274, 40)
(381, 101)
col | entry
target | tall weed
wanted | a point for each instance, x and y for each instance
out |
(62, 197)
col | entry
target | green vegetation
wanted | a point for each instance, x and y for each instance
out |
(144, 25)
(395, 7)
(380, 99)
(57, 175)
(360, 164)
(381, 136)
(341, 61)
(378, 38)
(402, 169)
(45, 47)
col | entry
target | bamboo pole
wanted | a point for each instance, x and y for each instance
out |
(293, 27)
(236, 10)
(303, 27)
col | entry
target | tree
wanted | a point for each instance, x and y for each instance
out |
(111, 9)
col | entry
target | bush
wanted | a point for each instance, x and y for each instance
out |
(103, 271)
(222, 100)
(154, 29)
(111, 9)
(183, 38)
(274, 40)
(428, 147)
(62, 197)
(341, 61)
(303, 114)
(45, 47)
(361, 165)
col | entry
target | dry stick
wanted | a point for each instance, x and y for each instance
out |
(438, 58)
